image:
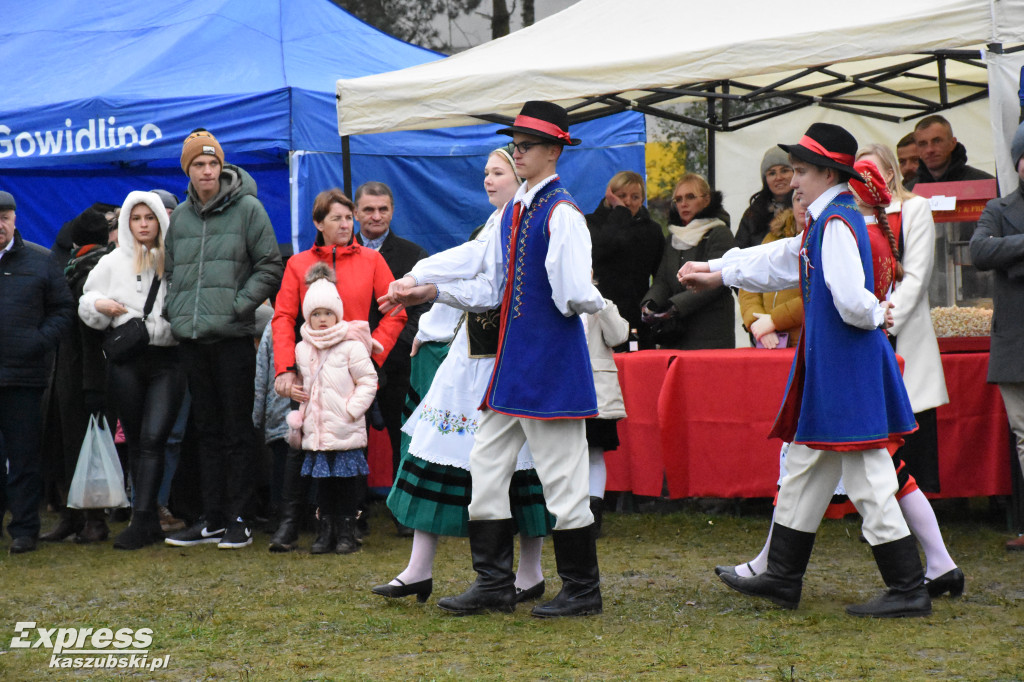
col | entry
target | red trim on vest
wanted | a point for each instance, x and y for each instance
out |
(542, 126)
(814, 146)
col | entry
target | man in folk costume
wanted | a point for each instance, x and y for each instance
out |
(537, 266)
(845, 401)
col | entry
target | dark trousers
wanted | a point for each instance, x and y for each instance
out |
(391, 399)
(21, 486)
(148, 392)
(221, 377)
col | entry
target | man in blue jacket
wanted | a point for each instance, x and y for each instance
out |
(36, 308)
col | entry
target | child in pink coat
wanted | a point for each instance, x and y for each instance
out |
(338, 385)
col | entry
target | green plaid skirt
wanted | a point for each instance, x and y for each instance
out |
(435, 498)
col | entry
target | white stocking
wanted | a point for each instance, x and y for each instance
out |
(598, 474)
(920, 516)
(421, 559)
(530, 572)
(759, 564)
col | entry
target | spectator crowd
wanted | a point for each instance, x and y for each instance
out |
(249, 398)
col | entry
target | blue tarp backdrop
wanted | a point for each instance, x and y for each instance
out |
(99, 96)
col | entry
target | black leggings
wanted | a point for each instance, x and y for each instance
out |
(340, 496)
(147, 392)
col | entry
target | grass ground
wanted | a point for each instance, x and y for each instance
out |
(249, 615)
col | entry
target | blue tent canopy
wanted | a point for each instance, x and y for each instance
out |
(99, 96)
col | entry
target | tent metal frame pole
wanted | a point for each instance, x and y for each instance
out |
(833, 89)
(346, 165)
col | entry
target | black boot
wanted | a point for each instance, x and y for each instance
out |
(71, 522)
(144, 528)
(326, 536)
(781, 583)
(907, 596)
(597, 509)
(347, 539)
(576, 562)
(495, 586)
(95, 528)
(293, 503)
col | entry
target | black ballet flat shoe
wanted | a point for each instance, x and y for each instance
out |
(731, 570)
(421, 589)
(530, 593)
(951, 581)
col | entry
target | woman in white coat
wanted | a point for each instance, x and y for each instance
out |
(605, 329)
(147, 388)
(922, 374)
(912, 321)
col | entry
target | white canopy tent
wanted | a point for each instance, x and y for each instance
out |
(597, 47)
(879, 60)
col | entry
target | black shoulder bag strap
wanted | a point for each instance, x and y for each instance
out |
(151, 298)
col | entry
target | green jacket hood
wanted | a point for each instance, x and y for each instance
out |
(235, 182)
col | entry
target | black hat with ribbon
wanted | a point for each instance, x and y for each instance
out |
(828, 146)
(545, 120)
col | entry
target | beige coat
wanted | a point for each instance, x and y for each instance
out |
(912, 321)
(605, 330)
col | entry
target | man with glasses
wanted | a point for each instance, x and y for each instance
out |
(537, 266)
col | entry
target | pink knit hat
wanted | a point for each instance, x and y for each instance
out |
(322, 292)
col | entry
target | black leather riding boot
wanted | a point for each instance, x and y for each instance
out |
(495, 585)
(782, 582)
(576, 562)
(906, 596)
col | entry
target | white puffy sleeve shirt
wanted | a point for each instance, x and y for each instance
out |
(471, 276)
(775, 266)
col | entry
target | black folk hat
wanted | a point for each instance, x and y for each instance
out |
(826, 145)
(545, 120)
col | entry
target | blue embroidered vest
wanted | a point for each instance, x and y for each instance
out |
(845, 390)
(542, 369)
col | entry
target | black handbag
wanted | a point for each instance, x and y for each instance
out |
(129, 340)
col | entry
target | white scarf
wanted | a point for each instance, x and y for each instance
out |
(688, 236)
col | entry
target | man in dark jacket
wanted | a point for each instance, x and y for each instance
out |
(998, 245)
(374, 211)
(942, 158)
(36, 309)
(222, 262)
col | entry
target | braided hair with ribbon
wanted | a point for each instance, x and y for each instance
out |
(874, 193)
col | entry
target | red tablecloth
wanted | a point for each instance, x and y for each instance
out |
(637, 465)
(702, 419)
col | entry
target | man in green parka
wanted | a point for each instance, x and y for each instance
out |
(222, 262)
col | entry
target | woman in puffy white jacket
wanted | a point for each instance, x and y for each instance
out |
(338, 385)
(146, 388)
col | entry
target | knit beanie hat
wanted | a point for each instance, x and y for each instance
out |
(774, 157)
(90, 227)
(1017, 146)
(322, 292)
(200, 141)
(169, 201)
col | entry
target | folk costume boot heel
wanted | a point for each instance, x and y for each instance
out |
(286, 538)
(901, 570)
(782, 582)
(495, 587)
(576, 562)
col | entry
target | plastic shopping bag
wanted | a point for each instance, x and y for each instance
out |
(99, 481)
